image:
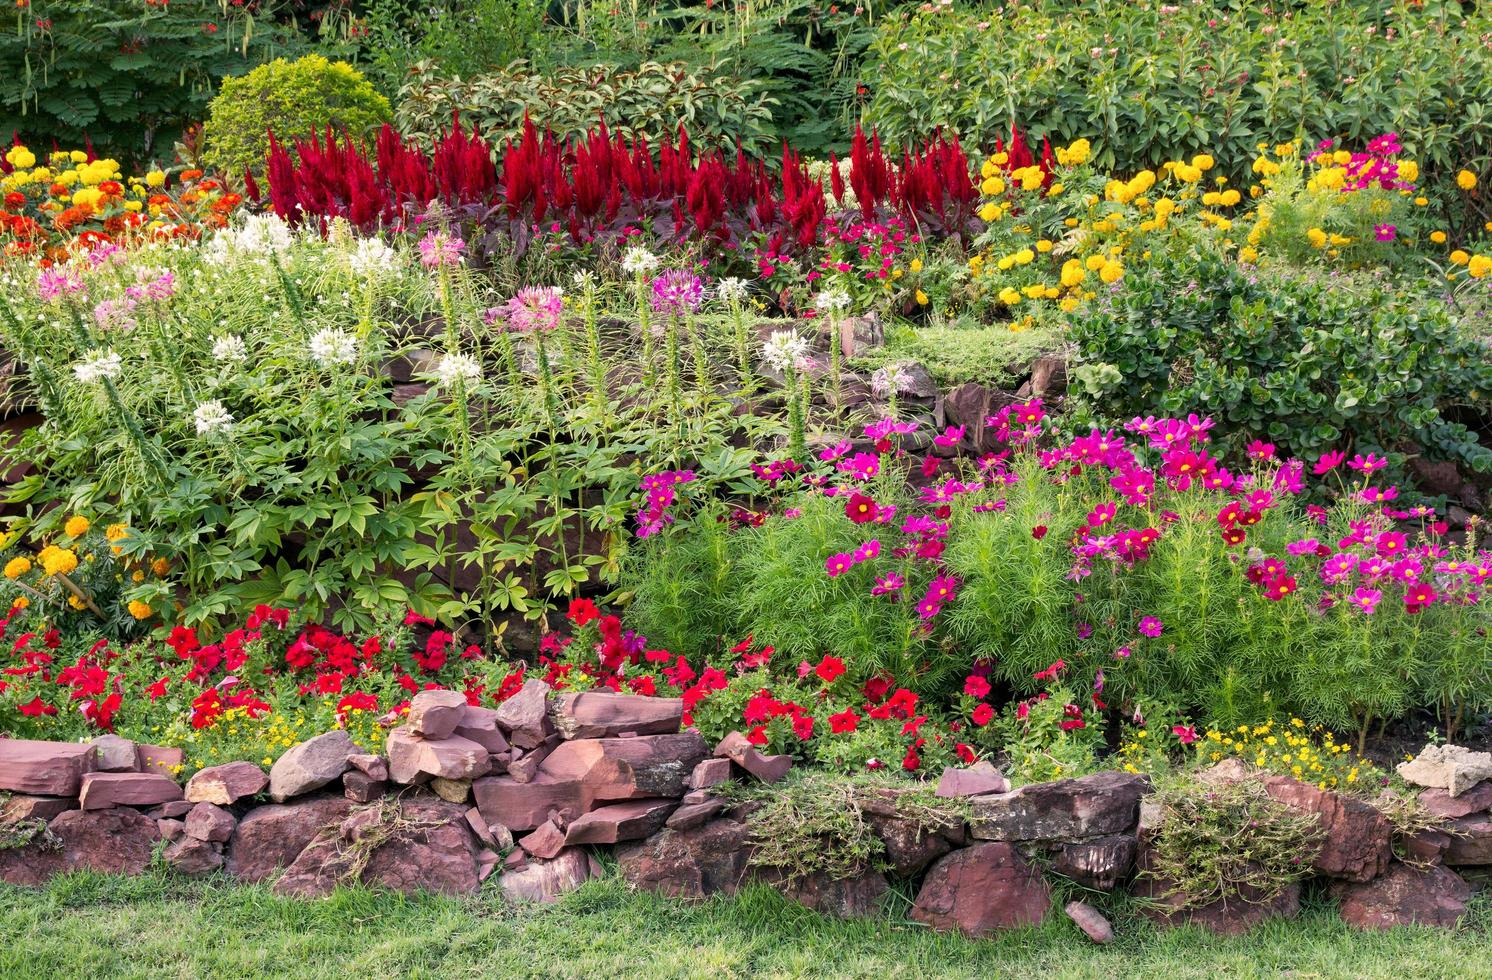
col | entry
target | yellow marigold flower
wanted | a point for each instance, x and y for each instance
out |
(1466, 180)
(1073, 273)
(1009, 296)
(58, 561)
(1111, 271)
(161, 566)
(989, 211)
(1408, 171)
(138, 609)
(921, 298)
(1248, 254)
(78, 156)
(17, 567)
(1479, 266)
(1317, 237)
(1043, 246)
(76, 526)
(1438, 237)
(74, 602)
(21, 158)
(916, 265)
(21, 602)
(992, 186)
(156, 178)
(1459, 257)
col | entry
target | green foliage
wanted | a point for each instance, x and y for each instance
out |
(805, 57)
(1306, 362)
(954, 353)
(1151, 82)
(294, 100)
(1220, 841)
(127, 75)
(651, 100)
(464, 37)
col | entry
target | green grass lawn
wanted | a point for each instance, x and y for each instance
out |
(153, 926)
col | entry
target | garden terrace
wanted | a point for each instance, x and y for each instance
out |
(816, 470)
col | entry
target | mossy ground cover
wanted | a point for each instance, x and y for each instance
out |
(86, 925)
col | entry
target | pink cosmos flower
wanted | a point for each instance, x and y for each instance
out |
(1151, 627)
(888, 585)
(834, 452)
(1328, 462)
(867, 551)
(1367, 464)
(837, 565)
(861, 466)
(1365, 599)
(951, 436)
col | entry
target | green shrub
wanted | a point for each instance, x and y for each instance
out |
(126, 75)
(1307, 362)
(652, 100)
(805, 56)
(294, 100)
(464, 37)
(1147, 83)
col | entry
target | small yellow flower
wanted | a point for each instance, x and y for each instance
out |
(1438, 237)
(1466, 180)
(17, 567)
(138, 609)
(76, 526)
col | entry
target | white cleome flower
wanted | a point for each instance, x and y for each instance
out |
(458, 367)
(639, 261)
(785, 349)
(229, 349)
(212, 417)
(102, 365)
(891, 378)
(732, 289)
(584, 280)
(259, 237)
(372, 258)
(331, 346)
(832, 300)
